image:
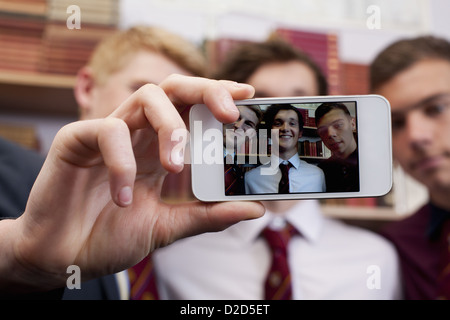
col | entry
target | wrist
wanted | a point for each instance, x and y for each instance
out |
(17, 276)
(9, 266)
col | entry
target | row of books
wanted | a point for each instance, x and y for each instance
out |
(100, 12)
(24, 135)
(322, 48)
(308, 119)
(308, 148)
(34, 36)
(65, 51)
(20, 40)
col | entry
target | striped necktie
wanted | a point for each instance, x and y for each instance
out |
(278, 281)
(283, 186)
(142, 281)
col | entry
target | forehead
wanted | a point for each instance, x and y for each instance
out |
(416, 84)
(286, 115)
(148, 66)
(247, 113)
(277, 79)
(333, 115)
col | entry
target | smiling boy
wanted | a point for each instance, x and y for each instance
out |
(302, 176)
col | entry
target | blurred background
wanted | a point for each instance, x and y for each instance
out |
(40, 55)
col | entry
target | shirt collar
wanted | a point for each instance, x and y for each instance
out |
(294, 160)
(437, 218)
(305, 216)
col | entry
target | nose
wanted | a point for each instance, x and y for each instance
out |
(284, 126)
(331, 131)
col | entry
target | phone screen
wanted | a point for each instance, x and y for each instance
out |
(292, 148)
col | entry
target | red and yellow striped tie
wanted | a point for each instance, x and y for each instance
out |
(142, 281)
(278, 282)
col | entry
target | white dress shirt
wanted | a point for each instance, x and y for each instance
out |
(329, 260)
(303, 177)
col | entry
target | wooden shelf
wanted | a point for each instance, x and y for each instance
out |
(360, 212)
(32, 93)
(36, 79)
(38, 8)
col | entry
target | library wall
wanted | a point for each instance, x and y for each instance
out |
(41, 51)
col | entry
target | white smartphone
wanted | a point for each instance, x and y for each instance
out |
(333, 146)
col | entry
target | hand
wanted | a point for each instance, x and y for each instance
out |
(96, 203)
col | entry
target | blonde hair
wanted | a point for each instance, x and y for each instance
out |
(114, 52)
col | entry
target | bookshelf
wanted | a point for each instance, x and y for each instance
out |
(40, 55)
(310, 146)
(37, 93)
(37, 79)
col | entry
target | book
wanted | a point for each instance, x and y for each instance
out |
(322, 48)
(65, 51)
(20, 41)
(34, 36)
(100, 12)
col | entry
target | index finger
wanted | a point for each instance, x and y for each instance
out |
(218, 95)
(155, 105)
(150, 107)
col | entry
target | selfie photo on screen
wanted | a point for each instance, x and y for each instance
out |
(292, 148)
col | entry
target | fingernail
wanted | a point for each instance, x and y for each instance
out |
(179, 139)
(126, 195)
(177, 156)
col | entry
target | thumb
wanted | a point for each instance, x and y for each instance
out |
(200, 217)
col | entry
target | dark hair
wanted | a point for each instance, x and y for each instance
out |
(402, 54)
(272, 111)
(256, 109)
(246, 58)
(326, 107)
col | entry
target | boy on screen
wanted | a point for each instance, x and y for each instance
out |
(294, 175)
(234, 138)
(335, 126)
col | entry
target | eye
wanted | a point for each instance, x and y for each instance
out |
(250, 124)
(338, 125)
(277, 123)
(398, 123)
(435, 109)
(322, 131)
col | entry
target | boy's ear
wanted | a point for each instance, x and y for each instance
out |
(83, 91)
